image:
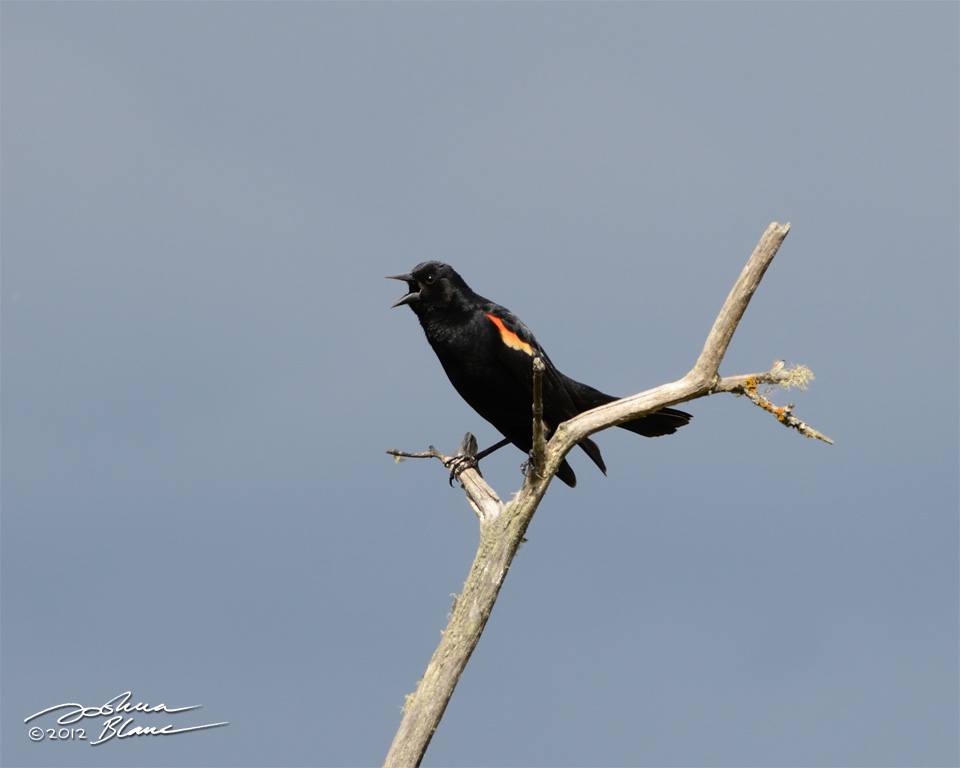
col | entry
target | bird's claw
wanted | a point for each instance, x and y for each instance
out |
(459, 464)
(530, 465)
(466, 458)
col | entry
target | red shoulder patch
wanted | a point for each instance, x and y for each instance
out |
(509, 337)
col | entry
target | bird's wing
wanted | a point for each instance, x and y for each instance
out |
(517, 350)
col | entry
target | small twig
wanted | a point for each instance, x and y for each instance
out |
(433, 453)
(796, 376)
(484, 500)
(539, 439)
(779, 376)
(466, 451)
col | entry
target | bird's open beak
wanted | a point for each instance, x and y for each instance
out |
(411, 297)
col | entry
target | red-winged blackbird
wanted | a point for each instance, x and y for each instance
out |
(488, 356)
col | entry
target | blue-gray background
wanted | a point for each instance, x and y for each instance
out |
(201, 376)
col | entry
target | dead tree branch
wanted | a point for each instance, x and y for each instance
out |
(780, 376)
(502, 526)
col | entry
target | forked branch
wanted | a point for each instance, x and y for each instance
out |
(502, 526)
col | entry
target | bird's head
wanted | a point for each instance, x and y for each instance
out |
(432, 285)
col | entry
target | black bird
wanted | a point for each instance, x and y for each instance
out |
(488, 356)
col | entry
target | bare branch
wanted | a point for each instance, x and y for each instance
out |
(432, 453)
(502, 526)
(796, 376)
(500, 537)
(708, 364)
(702, 378)
(481, 496)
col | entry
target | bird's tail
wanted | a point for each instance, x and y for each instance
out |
(566, 473)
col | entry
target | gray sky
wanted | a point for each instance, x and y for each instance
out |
(201, 377)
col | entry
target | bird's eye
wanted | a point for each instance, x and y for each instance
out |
(429, 278)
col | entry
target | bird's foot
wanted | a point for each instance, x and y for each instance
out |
(460, 463)
(465, 458)
(530, 465)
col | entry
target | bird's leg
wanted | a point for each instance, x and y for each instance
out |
(495, 447)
